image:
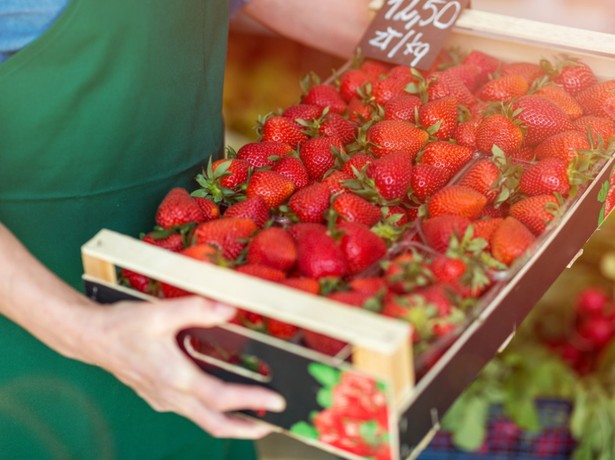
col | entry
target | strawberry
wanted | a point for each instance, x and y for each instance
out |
(334, 125)
(469, 74)
(388, 136)
(293, 169)
(261, 154)
(599, 127)
(136, 280)
(354, 298)
(426, 179)
(229, 234)
(272, 247)
(353, 208)
(501, 131)
(208, 207)
(447, 269)
(319, 256)
(310, 203)
(254, 208)
(304, 112)
(170, 241)
(406, 272)
(446, 155)
(325, 96)
(535, 212)
(482, 176)
(402, 107)
(262, 271)
(465, 133)
(383, 90)
(351, 83)
(361, 246)
(546, 176)
(309, 285)
(560, 97)
(457, 200)
(178, 208)
(272, 187)
(280, 329)
(374, 69)
(356, 163)
(447, 85)
(438, 231)
(504, 88)
(323, 343)
(564, 146)
(335, 181)
(391, 175)
(232, 172)
(360, 111)
(484, 228)
(301, 229)
(510, 240)
(276, 128)
(528, 70)
(599, 99)
(372, 286)
(541, 117)
(439, 117)
(169, 291)
(571, 74)
(486, 63)
(205, 253)
(317, 155)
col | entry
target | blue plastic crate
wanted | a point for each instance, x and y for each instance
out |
(505, 441)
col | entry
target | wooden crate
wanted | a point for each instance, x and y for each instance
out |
(379, 348)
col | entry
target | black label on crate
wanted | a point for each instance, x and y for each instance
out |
(411, 32)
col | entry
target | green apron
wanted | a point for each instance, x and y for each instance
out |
(119, 101)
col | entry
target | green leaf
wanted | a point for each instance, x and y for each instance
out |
(327, 376)
(324, 397)
(304, 430)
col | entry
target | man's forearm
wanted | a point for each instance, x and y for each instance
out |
(334, 26)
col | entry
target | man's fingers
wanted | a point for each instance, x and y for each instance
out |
(193, 311)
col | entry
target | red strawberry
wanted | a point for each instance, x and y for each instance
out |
(359, 111)
(293, 169)
(319, 256)
(510, 240)
(465, 132)
(336, 126)
(405, 273)
(388, 136)
(469, 74)
(447, 269)
(457, 200)
(254, 208)
(305, 112)
(136, 280)
(272, 187)
(262, 271)
(322, 343)
(277, 128)
(372, 286)
(374, 69)
(439, 230)
(261, 154)
(600, 127)
(486, 63)
(564, 146)
(351, 83)
(298, 231)
(546, 176)
(446, 155)
(391, 175)
(535, 212)
(483, 176)
(504, 88)
(310, 203)
(280, 329)
(571, 74)
(484, 228)
(235, 172)
(426, 180)
(325, 96)
(383, 90)
(439, 117)
(173, 242)
(360, 246)
(309, 285)
(599, 99)
(402, 107)
(204, 252)
(317, 155)
(208, 207)
(354, 298)
(229, 234)
(356, 163)
(528, 70)
(272, 247)
(178, 208)
(564, 100)
(499, 130)
(353, 208)
(445, 85)
(541, 117)
(335, 181)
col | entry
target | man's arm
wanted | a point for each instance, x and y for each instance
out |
(135, 341)
(333, 26)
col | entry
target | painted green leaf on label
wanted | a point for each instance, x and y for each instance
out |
(604, 191)
(325, 397)
(327, 376)
(370, 432)
(304, 430)
(601, 216)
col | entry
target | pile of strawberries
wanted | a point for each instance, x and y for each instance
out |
(399, 191)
